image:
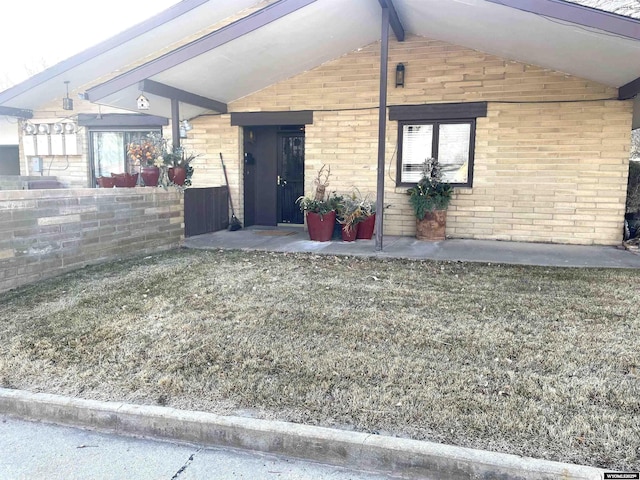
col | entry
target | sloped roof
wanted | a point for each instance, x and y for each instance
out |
(289, 37)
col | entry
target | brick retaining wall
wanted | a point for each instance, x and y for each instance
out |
(47, 232)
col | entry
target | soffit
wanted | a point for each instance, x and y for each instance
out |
(107, 58)
(300, 41)
(525, 37)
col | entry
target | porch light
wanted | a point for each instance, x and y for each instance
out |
(185, 127)
(400, 75)
(67, 103)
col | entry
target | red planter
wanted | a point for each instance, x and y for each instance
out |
(177, 175)
(351, 234)
(321, 226)
(125, 179)
(106, 182)
(366, 228)
(150, 176)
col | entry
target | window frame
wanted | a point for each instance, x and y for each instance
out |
(436, 123)
(123, 130)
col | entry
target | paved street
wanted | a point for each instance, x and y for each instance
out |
(36, 451)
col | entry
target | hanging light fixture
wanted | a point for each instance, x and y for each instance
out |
(67, 103)
(185, 127)
(400, 75)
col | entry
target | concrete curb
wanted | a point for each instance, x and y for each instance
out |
(402, 457)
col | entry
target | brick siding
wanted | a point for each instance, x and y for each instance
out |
(47, 232)
(545, 172)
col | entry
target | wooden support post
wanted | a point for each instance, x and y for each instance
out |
(382, 127)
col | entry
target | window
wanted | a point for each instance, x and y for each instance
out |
(109, 134)
(445, 131)
(109, 150)
(451, 142)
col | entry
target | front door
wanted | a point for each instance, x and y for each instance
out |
(273, 174)
(290, 176)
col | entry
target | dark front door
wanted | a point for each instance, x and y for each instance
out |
(290, 176)
(261, 176)
(273, 174)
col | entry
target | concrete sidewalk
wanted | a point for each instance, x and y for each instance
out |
(40, 451)
(292, 239)
(390, 456)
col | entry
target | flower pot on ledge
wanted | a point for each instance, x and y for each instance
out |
(106, 182)
(433, 226)
(125, 179)
(177, 175)
(150, 176)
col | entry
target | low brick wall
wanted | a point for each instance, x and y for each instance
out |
(47, 232)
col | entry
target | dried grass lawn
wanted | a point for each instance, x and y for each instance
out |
(534, 361)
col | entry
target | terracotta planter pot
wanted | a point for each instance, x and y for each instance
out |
(351, 234)
(125, 179)
(366, 228)
(150, 176)
(106, 182)
(177, 175)
(433, 226)
(321, 226)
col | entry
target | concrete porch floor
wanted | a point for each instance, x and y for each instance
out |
(490, 251)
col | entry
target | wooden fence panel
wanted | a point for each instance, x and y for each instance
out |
(205, 210)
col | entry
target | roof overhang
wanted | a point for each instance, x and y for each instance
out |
(275, 43)
(288, 37)
(16, 112)
(130, 46)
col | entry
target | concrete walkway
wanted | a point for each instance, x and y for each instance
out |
(39, 451)
(352, 452)
(292, 239)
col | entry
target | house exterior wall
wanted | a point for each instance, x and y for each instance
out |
(551, 157)
(47, 232)
(72, 170)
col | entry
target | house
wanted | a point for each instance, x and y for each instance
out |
(528, 105)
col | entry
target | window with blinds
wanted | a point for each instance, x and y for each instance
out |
(451, 142)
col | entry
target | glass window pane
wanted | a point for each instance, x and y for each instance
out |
(453, 151)
(417, 142)
(108, 153)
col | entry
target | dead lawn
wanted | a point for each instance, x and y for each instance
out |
(533, 361)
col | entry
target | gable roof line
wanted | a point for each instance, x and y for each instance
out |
(578, 14)
(212, 40)
(131, 33)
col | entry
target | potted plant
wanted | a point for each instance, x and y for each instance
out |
(349, 216)
(368, 221)
(430, 199)
(320, 218)
(148, 155)
(319, 211)
(180, 169)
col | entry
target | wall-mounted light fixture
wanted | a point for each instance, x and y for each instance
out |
(143, 102)
(185, 127)
(400, 75)
(67, 103)
(44, 129)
